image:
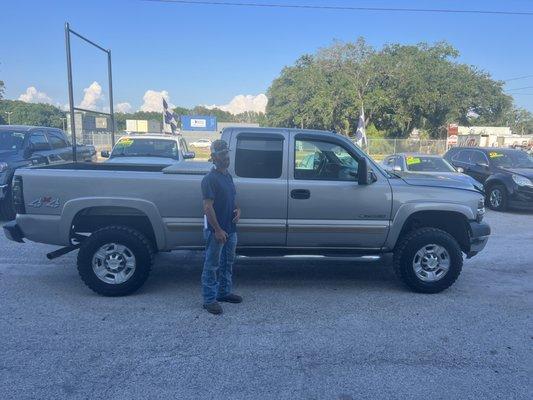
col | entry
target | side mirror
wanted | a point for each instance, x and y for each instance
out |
(365, 176)
(189, 155)
(461, 170)
(397, 168)
(104, 153)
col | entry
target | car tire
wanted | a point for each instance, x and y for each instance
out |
(497, 198)
(7, 209)
(115, 260)
(428, 260)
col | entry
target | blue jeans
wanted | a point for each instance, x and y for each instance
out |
(218, 266)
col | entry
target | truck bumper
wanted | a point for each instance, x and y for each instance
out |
(479, 235)
(3, 191)
(13, 232)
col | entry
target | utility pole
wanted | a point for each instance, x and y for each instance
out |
(8, 116)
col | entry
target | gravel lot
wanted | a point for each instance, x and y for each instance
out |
(318, 330)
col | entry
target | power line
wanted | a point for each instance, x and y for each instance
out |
(518, 77)
(520, 88)
(342, 8)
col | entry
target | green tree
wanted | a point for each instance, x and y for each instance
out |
(32, 113)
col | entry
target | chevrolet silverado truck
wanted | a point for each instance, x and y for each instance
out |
(302, 193)
(22, 145)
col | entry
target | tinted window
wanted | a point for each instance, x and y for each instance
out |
(39, 142)
(259, 158)
(462, 156)
(131, 147)
(11, 140)
(323, 161)
(477, 157)
(56, 140)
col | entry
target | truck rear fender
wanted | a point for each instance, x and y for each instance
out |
(452, 218)
(94, 213)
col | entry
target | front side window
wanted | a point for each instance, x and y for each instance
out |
(259, 157)
(462, 156)
(11, 140)
(320, 160)
(56, 141)
(38, 142)
(478, 157)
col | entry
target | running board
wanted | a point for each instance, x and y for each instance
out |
(300, 257)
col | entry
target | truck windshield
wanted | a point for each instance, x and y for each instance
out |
(144, 147)
(427, 164)
(11, 140)
(510, 159)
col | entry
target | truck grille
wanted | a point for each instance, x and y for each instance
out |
(18, 195)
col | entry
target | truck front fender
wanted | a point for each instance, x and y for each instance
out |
(408, 210)
(72, 207)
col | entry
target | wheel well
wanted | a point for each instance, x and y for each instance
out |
(454, 223)
(91, 219)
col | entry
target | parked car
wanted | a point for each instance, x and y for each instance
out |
(333, 207)
(507, 174)
(22, 145)
(201, 143)
(156, 149)
(427, 164)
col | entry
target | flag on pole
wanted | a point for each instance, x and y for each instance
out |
(360, 134)
(169, 119)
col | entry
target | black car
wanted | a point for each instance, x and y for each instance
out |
(22, 145)
(507, 174)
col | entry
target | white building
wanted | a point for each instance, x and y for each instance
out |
(143, 126)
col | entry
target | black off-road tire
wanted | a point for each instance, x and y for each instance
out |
(139, 245)
(504, 202)
(7, 210)
(413, 241)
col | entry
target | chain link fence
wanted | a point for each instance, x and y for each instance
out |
(380, 148)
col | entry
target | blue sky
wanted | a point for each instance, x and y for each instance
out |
(209, 54)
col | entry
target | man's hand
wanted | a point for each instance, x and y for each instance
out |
(237, 217)
(221, 236)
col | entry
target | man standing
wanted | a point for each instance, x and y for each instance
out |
(221, 215)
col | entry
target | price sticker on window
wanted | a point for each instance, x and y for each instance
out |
(494, 154)
(413, 160)
(125, 143)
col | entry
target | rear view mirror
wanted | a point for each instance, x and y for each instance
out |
(397, 168)
(189, 155)
(461, 170)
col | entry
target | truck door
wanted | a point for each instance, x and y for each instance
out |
(259, 168)
(62, 152)
(40, 149)
(327, 207)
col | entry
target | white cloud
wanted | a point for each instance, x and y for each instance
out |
(242, 103)
(153, 101)
(123, 107)
(32, 95)
(93, 97)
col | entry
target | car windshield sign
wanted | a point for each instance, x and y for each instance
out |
(427, 164)
(129, 147)
(11, 140)
(510, 159)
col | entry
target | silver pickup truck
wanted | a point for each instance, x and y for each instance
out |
(302, 193)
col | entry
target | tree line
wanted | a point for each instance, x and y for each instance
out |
(400, 87)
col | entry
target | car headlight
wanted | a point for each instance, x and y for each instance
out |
(3, 166)
(480, 209)
(522, 180)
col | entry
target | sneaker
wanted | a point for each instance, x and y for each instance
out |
(213, 308)
(230, 298)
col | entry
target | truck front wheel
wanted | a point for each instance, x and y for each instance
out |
(428, 260)
(115, 260)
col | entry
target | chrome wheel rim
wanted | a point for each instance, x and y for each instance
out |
(495, 198)
(431, 263)
(114, 263)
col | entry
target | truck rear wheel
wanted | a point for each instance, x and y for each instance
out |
(428, 260)
(115, 260)
(7, 210)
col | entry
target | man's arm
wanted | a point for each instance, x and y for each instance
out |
(209, 212)
(236, 213)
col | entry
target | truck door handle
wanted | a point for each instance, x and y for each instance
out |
(300, 194)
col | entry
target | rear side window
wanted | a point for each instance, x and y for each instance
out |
(39, 142)
(56, 140)
(259, 158)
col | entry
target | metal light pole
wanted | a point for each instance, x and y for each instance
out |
(8, 116)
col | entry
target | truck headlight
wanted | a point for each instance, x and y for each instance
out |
(480, 210)
(522, 180)
(3, 166)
